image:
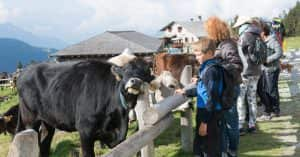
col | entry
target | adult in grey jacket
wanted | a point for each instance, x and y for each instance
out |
(271, 69)
(248, 33)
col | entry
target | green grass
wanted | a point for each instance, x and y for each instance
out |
(292, 42)
(274, 138)
(4, 106)
(277, 137)
(6, 92)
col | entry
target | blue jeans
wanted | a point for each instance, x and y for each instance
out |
(230, 130)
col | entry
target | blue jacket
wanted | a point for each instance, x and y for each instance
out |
(209, 87)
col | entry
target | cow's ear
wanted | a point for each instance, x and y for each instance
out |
(117, 71)
(155, 84)
(150, 79)
(7, 118)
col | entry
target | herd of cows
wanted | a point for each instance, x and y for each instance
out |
(91, 97)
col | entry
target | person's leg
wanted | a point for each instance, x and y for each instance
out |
(260, 90)
(264, 97)
(275, 95)
(241, 104)
(233, 130)
(251, 94)
(225, 135)
(198, 140)
(231, 125)
(213, 140)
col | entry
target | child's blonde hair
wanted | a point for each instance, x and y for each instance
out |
(204, 45)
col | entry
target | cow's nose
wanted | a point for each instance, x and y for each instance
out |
(133, 81)
(171, 86)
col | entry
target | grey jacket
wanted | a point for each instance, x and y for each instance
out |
(274, 53)
(246, 46)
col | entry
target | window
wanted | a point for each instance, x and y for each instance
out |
(169, 29)
(179, 29)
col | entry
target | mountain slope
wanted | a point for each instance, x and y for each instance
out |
(12, 51)
(8, 30)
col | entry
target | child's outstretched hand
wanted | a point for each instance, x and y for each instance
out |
(194, 80)
(203, 129)
(179, 91)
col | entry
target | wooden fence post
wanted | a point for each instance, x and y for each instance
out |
(25, 144)
(141, 106)
(186, 121)
(135, 142)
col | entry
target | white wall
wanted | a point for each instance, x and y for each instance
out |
(183, 34)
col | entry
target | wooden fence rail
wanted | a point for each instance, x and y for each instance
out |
(5, 82)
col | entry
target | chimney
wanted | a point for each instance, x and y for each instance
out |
(200, 18)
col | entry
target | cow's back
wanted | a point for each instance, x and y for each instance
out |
(173, 63)
(62, 92)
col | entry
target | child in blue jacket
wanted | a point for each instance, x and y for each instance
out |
(208, 89)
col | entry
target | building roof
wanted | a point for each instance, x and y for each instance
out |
(195, 27)
(113, 42)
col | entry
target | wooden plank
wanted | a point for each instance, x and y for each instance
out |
(141, 106)
(5, 85)
(293, 85)
(186, 121)
(135, 142)
(158, 111)
(25, 144)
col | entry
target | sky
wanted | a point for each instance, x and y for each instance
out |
(77, 20)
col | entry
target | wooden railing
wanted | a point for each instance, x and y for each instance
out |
(5, 82)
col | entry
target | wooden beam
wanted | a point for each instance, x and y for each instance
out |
(158, 111)
(141, 106)
(186, 121)
(135, 142)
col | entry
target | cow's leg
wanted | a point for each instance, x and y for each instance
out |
(87, 144)
(46, 142)
(20, 125)
(26, 119)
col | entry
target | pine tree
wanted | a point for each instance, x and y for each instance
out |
(19, 65)
(292, 21)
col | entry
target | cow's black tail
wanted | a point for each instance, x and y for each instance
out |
(20, 125)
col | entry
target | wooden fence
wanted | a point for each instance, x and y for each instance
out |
(5, 82)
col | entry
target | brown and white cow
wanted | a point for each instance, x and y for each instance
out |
(174, 63)
(8, 121)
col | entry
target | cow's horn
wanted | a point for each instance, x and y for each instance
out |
(7, 118)
(125, 57)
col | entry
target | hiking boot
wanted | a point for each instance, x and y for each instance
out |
(251, 129)
(242, 132)
(264, 118)
(231, 153)
(275, 114)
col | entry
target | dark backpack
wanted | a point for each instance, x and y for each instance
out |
(228, 92)
(259, 52)
(230, 59)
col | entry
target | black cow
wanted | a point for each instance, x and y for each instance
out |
(91, 97)
(8, 121)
